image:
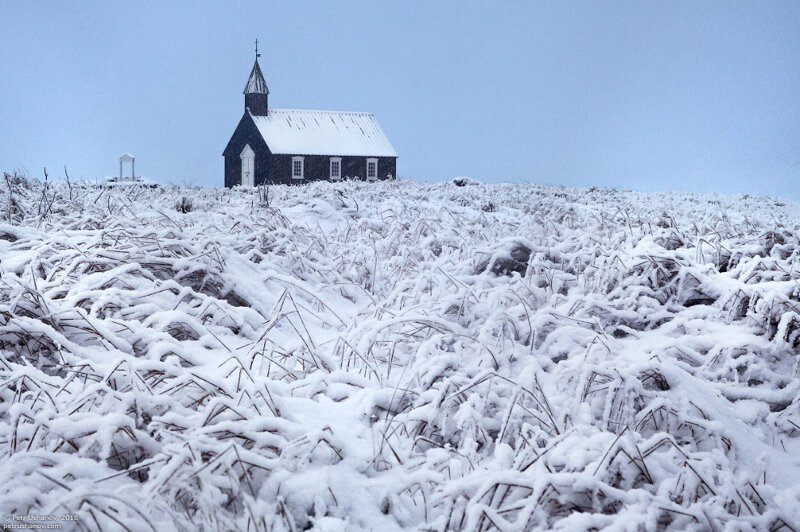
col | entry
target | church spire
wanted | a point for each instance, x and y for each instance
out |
(256, 92)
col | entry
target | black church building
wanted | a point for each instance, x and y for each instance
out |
(295, 146)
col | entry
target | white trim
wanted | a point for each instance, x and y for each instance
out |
(300, 160)
(338, 174)
(248, 157)
(372, 160)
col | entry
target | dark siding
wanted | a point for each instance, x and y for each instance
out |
(246, 133)
(317, 167)
(257, 103)
(387, 166)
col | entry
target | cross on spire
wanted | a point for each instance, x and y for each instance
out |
(257, 54)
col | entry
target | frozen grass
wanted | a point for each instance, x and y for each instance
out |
(398, 356)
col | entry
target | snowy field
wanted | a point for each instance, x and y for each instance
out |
(398, 356)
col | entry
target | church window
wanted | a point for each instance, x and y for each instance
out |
(336, 168)
(372, 169)
(297, 168)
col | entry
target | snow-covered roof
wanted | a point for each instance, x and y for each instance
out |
(256, 84)
(126, 157)
(293, 131)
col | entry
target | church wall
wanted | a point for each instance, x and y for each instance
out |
(246, 133)
(317, 167)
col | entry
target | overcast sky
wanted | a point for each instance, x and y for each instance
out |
(701, 96)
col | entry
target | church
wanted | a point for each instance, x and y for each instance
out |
(291, 146)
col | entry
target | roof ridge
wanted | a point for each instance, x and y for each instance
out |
(323, 111)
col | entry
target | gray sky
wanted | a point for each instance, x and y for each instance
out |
(673, 95)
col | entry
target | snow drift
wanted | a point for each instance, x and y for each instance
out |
(392, 356)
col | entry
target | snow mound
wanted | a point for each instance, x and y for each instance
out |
(395, 356)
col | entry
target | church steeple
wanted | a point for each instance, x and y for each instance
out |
(256, 92)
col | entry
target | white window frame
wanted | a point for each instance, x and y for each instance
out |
(372, 160)
(302, 167)
(338, 175)
(247, 174)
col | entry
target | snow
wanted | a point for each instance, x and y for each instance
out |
(116, 181)
(399, 356)
(302, 132)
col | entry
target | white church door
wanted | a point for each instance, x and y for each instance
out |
(248, 157)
